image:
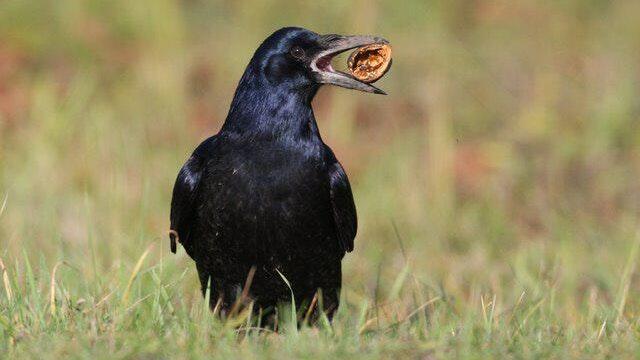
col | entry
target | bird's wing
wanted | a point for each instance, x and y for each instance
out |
(344, 210)
(184, 194)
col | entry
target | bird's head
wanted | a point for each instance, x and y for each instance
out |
(301, 59)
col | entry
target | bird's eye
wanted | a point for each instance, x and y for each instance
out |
(297, 52)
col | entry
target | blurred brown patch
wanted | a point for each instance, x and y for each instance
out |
(13, 91)
(472, 167)
(202, 110)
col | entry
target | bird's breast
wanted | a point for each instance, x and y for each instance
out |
(268, 199)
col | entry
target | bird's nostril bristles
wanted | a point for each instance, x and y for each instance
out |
(331, 37)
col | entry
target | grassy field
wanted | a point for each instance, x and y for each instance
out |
(497, 186)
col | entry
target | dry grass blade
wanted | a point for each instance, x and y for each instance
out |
(52, 287)
(601, 332)
(253, 328)
(134, 273)
(138, 302)
(5, 280)
(625, 280)
(484, 309)
(245, 292)
(312, 306)
(103, 300)
(217, 307)
(367, 325)
(515, 307)
(4, 204)
(412, 314)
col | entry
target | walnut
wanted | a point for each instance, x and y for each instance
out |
(369, 63)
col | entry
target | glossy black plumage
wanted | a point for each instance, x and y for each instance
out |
(266, 192)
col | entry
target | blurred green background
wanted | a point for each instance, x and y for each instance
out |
(503, 166)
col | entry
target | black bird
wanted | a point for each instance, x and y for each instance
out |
(266, 193)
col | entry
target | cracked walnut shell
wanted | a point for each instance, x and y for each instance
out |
(369, 63)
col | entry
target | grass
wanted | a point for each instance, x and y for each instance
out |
(496, 185)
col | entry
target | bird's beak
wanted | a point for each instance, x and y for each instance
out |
(333, 45)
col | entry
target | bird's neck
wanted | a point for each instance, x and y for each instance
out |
(273, 113)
